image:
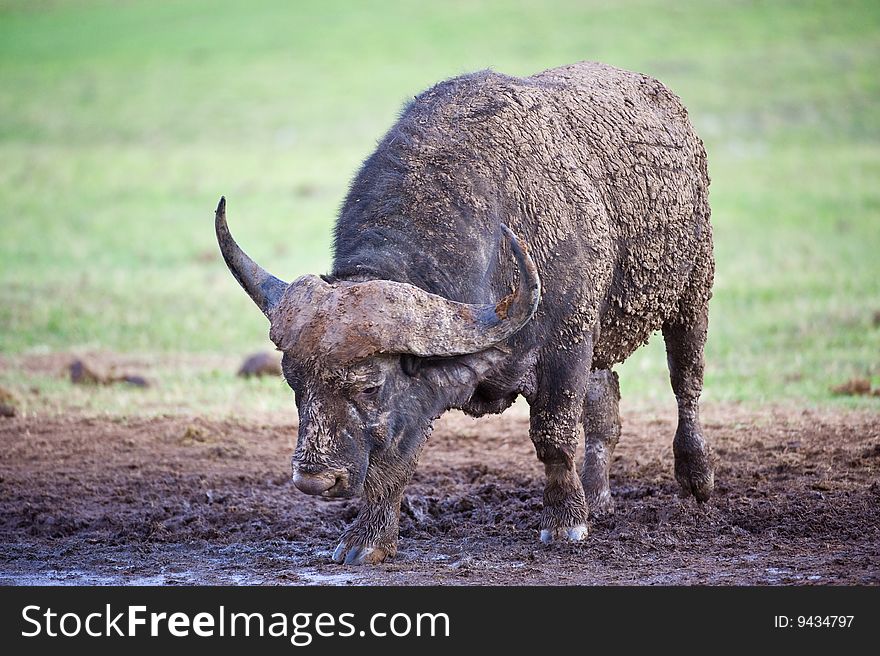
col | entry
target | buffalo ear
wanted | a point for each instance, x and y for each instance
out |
(410, 364)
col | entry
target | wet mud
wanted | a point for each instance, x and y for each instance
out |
(179, 500)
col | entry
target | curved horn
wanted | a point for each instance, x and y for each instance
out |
(263, 288)
(495, 323)
(346, 321)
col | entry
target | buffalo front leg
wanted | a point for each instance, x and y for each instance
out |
(372, 537)
(684, 353)
(555, 430)
(601, 433)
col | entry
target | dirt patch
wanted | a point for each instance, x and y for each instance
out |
(189, 500)
(108, 363)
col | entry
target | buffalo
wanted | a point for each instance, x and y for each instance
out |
(508, 237)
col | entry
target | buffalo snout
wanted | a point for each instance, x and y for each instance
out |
(328, 482)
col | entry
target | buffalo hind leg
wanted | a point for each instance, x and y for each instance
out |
(555, 429)
(601, 421)
(685, 339)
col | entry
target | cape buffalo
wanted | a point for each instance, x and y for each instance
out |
(583, 189)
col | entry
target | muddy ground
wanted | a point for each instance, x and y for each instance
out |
(188, 500)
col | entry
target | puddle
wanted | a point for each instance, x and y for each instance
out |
(314, 577)
(77, 577)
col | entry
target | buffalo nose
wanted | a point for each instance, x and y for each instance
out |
(314, 483)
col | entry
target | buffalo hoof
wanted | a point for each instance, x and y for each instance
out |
(569, 533)
(358, 554)
(695, 475)
(602, 505)
(699, 486)
(694, 466)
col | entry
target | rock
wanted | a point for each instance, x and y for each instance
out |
(7, 397)
(854, 387)
(137, 381)
(83, 374)
(263, 363)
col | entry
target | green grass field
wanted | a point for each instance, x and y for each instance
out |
(121, 124)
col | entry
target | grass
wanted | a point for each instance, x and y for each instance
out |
(122, 123)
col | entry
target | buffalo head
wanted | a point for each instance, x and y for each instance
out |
(372, 363)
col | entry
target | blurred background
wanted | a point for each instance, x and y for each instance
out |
(122, 123)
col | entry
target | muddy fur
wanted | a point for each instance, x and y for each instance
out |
(597, 169)
(599, 173)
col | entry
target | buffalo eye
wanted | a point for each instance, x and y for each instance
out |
(369, 392)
